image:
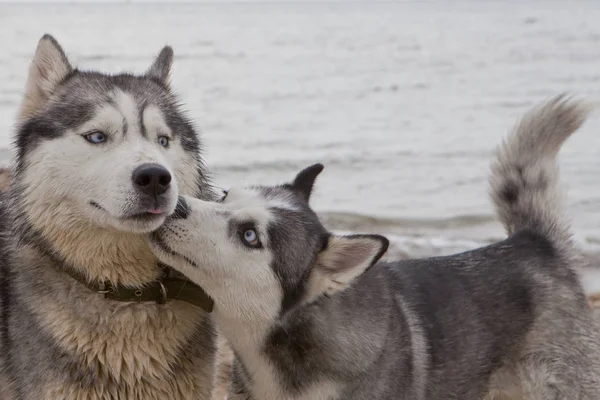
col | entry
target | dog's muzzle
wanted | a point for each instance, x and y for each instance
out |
(182, 210)
(151, 179)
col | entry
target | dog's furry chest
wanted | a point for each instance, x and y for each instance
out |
(140, 352)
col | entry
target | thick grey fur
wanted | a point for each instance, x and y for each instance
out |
(32, 359)
(507, 321)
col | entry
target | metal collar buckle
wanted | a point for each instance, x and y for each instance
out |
(163, 292)
(106, 289)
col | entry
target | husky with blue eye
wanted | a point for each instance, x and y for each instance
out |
(312, 315)
(87, 312)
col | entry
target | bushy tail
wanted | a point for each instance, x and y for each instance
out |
(524, 182)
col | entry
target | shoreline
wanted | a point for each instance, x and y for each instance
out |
(590, 272)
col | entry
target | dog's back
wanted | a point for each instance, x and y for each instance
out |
(514, 310)
(510, 319)
(475, 309)
(561, 353)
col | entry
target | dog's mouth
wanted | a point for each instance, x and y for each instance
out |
(151, 214)
(159, 245)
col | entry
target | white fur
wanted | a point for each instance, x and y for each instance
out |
(280, 201)
(154, 118)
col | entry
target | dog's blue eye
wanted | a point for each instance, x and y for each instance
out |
(248, 235)
(95, 137)
(251, 238)
(163, 141)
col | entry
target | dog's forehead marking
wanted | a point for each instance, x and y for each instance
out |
(258, 205)
(247, 204)
(105, 118)
(123, 110)
(273, 199)
(282, 203)
(255, 204)
(153, 118)
(118, 111)
(126, 105)
(262, 217)
(242, 196)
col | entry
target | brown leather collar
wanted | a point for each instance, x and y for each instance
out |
(160, 291)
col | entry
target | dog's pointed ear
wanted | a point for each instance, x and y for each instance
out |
(343, 260)
(161, 67)
(305, 180)
(48, 69)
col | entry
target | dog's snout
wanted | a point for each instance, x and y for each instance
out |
(152, 179)
(182, 210)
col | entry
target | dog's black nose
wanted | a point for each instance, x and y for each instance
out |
(152, 179)
(182, 210)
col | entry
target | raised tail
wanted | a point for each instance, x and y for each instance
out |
(524, 181)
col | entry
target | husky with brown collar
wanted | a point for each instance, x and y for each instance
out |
(86, 310)
(312, 315)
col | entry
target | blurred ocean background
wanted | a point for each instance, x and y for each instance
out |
(404, 102)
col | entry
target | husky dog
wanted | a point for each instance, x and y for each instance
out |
(100, 162)
(314, 315)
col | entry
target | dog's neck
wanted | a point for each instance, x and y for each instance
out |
(100, 254)
(247, 339)
(267, 381)
(244, 327)
(269, 348)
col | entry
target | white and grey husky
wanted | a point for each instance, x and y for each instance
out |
(86, 310)
(313, 315)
